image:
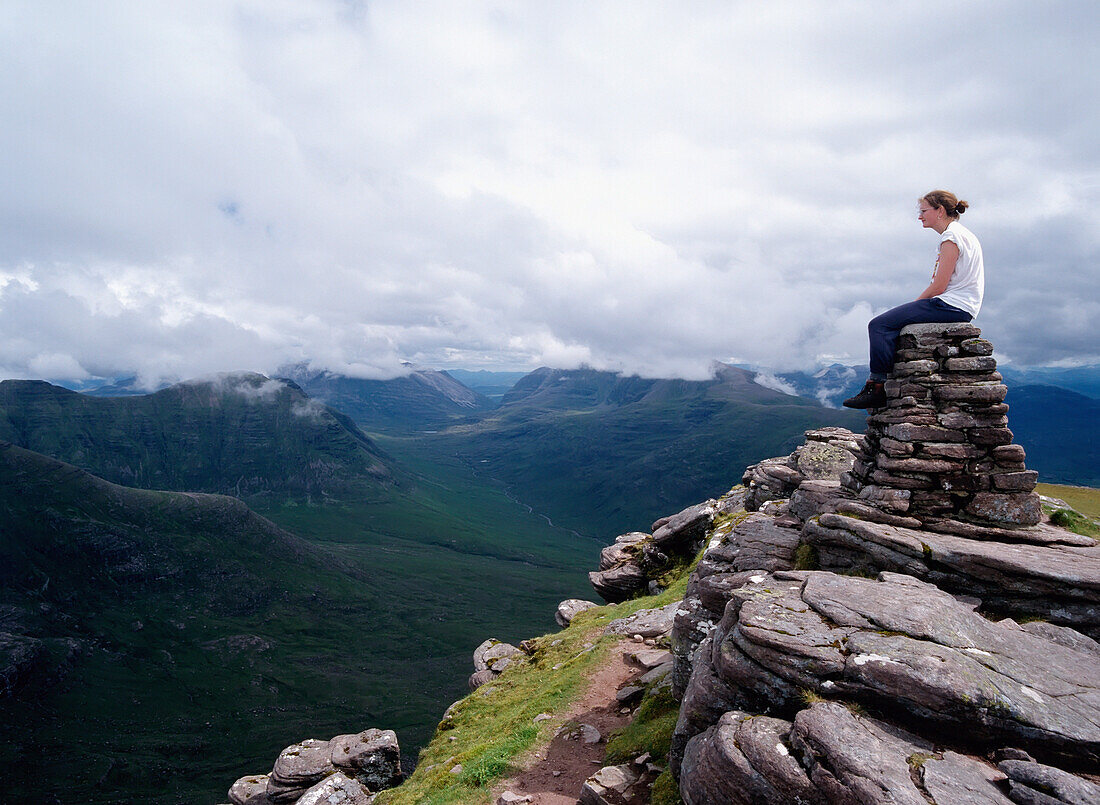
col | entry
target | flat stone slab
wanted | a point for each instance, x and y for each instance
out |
(645, 622)
(907, 646)
(1058, 582)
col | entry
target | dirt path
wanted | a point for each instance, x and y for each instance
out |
(555, 775)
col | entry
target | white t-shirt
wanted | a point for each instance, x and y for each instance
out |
(966, 287)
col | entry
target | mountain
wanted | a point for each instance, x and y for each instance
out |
(604, 453)
(1060, 430)
(1081, 379)
(422, 399)
(830, 385)
(140, 628)
(156, 645)
(240, 434)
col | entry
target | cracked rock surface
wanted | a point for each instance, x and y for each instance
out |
(902, 645)
(828, 754)
(1058, 579)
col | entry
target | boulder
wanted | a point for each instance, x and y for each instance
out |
(686, 528)
(1031, 782)
(339, 789)
(606, 786)
(570, 608)
(493, 655)
(371, 757)
(250, 790)
(298, 768)
(620, 583)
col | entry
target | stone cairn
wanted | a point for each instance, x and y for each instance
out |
(940, 456)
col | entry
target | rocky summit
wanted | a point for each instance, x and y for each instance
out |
(885, 617)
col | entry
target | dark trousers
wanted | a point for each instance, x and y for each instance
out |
(883, 330)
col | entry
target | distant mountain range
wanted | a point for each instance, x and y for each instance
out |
(240, 434)
(422, 399)
(596, 450)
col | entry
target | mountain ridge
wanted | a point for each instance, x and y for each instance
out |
(237, 433)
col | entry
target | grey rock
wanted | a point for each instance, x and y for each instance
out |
(603, 786)
(570, 608)
(915, 648)
(299, 767)
(1063, 636)
(744, 759)
(822, 460)
(961, 780)
(687, 527)
(1018, 508)
(1059, 786)
(756, 543)
(827, 755)
(250, 790)
(492, 654)
(812, 497)
(619, 583)
(650, 657)
(479, 678)
(627, 547)
(339, 789)
(372, 757)
(656, 673)
(646, 622)
(1058, 582)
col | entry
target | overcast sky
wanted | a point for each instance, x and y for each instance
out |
(193, 186)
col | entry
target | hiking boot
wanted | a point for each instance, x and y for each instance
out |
(872, 396)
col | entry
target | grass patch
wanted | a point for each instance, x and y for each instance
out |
(490, 731)
(1082, 498)
(806, 558)
(665, 791)
(1075, 522)
(650, 731)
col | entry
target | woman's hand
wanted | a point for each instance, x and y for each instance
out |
(945, 267)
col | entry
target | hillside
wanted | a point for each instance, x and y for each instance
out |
(422, 399)
(602, 453)
(1060, 429)
(158, 643)
(240, 434)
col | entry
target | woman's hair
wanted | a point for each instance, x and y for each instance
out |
(949, 201)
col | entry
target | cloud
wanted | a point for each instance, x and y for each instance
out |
(204, 187)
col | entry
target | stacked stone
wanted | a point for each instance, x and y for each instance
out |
(940, 454)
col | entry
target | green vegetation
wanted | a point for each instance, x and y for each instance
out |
(491, 731)
(241, 435)
(1082, 498)
(665, 791)
(806, 558)
(1076, 522)
(651, 729)
(604, 454)
(212, 639)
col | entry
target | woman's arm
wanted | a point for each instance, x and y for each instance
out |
(945, 267)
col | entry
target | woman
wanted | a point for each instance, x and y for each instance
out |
(955, 293)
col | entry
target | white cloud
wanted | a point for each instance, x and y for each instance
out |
(201, 187)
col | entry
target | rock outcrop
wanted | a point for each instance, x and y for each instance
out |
(346, 770)
(490, 660)
(906, 683)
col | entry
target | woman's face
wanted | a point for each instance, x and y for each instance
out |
(930, 217)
